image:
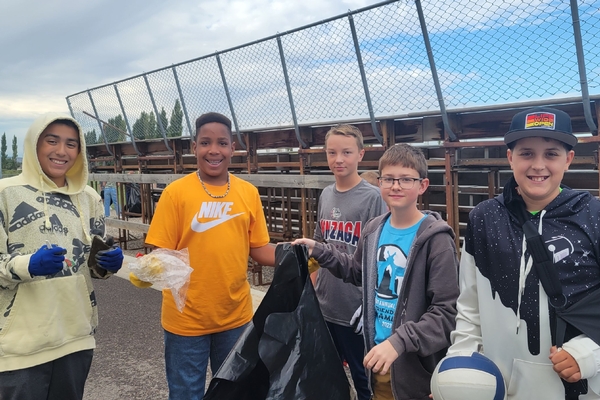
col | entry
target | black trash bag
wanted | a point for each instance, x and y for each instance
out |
(133, 201)
(583, 315)
(286, 352)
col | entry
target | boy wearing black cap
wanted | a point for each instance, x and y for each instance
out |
(504, 304)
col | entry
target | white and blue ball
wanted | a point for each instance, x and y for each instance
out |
(467, 377)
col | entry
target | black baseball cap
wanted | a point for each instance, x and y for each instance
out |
(541, 122)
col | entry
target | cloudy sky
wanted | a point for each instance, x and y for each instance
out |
(51, 49)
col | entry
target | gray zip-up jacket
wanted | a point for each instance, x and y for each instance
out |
(426, 309)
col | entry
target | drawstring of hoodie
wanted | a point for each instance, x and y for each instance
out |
(47, 223)
(524, 269)
(542, 213)
(88, 238)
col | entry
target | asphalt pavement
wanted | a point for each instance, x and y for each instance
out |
(128, 360)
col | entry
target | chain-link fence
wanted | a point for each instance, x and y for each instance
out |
(383, 61)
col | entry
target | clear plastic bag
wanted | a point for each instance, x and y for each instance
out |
(165, 269)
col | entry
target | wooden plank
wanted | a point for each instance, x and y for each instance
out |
(258, 180)
(129, 225)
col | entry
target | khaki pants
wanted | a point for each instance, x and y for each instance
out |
(382, 387)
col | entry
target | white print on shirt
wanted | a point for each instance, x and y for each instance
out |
(560, 247)
(218, 210)
(391, 268)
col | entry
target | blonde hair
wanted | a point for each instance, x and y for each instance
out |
(406, 156)
(371, 177)
(348, 131)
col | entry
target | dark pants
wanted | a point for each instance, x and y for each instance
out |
(351, 348)
(61, 379)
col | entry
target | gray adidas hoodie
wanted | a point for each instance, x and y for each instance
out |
(43, 318)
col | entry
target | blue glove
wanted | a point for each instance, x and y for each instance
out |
(111, 259)
(47, 260)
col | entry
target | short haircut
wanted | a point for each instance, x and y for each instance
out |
(66, 122)
(406, 156)
(70, 124)
(371, 177)
(209, 117)
(348, 131)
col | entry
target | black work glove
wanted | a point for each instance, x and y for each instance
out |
(110, 259)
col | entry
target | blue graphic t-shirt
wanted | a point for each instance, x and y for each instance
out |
(392, 255)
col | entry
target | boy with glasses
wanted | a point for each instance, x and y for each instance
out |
(407, 264)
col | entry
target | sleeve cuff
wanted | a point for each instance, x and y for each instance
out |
(20, 266)
(317, 251)
(587, 354)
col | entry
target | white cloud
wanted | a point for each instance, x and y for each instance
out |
(51, 49)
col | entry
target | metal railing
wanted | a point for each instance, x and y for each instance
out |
(389, 60)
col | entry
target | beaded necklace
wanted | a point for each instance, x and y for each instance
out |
(209, 193)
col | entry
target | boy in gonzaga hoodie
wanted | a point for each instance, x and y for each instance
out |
(48, 315)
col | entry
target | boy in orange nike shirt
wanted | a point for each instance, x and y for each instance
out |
(220, 219)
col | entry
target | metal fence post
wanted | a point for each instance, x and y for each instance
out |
(70, 108)
(126, 120)
(183, 106)
(99, 124)
(585, 95)
(233, 117)
(436, 80)
(363, 76)
(158, 119)
(289, 92)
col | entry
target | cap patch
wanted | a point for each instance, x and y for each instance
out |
(540, 120)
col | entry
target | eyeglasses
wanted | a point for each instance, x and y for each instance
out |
(405, 183)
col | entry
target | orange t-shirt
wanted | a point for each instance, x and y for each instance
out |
(218, 234)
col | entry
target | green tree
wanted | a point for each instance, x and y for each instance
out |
(3, 151)
(164, 120)
(92, 138)
(152, 130)
(137, 129)
(15, 149)
(176, 122)
(118, 134)
(145, 126)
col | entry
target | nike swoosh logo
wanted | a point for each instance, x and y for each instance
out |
(204, 226)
